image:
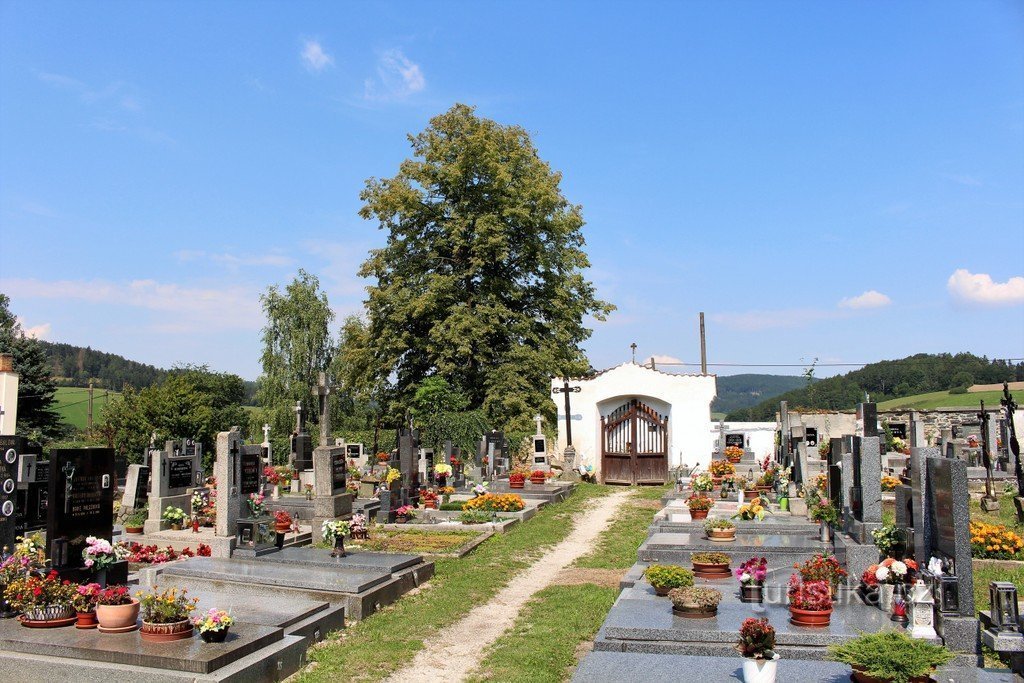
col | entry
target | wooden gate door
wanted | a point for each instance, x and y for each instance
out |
(634, 445)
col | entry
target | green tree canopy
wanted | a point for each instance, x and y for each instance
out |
(481, 280)
(37, 418)
(442, 412)
(297, 347)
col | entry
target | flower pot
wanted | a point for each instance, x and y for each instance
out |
(861, 677)
(722, 535)
(118, 616)
(711, 571)
(175, 527)
(716, 480)
(760, 670)
(694, 611)
(537, 480)
(442, 480)
(133, 529)
(275, 494)
(734, 459)
(515, 484)
(661, 590)
(282, 528)
(803, 617)
(752, 592)
(825, 532)
(401, 520)
(218, 636)
(698, 514)
(50, 613)
(165, 633)
(430, 504)
(885, 595)
(86, 620)
(784, 504)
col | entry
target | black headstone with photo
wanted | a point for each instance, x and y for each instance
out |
(10, 448)
(339, 469)
(180, 473)
(251, 469)
(734, 440)
(81, 502)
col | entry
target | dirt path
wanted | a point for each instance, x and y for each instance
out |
(453, 653)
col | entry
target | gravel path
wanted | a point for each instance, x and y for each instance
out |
(453, 653)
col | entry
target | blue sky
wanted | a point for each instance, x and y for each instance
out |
(841, 181)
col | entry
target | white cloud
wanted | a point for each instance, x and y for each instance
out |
(397, 78)
(36, 331)
(869, 299)
(314, 56)
(978, 288)
(235, 261)
(229, 307)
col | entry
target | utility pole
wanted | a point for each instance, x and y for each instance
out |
(90, 405)
(703, 348)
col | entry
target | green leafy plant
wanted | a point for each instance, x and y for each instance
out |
(668, 576)
(136, 518)
(891, 655)
(887, 537)
(709, 558)
(824, 511)
(718, 524)
(474, 517)
(695, 596)
(173, 515)
(757, 639)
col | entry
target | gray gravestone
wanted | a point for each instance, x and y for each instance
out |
(784, 453)
(174, 472)
(950, 520)
(136, 488)
(920, 497)
(331, 497)
(867, 419)
(916, 431)
(227, 468)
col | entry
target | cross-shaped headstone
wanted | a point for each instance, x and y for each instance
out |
(323, 390)
(538, 419)
(300, 418)
(266, 433)
(566, 389)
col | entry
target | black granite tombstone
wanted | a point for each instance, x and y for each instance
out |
(734, 440)
(10, 448)
(339, 469)
(251, 470)
(867, 416)
(180, 474)
(81, 502)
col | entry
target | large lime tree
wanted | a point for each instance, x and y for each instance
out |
(481, 281)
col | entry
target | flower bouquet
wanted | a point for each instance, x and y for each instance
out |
(213, 625)
(405, 513)
(751, 575)
(98, 554)
(257, 504)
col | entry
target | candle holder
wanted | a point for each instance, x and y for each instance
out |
(1004, 613)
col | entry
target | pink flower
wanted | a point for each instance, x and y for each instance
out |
(89, 563)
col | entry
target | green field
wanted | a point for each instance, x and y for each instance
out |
(73, 404)
(943, 399)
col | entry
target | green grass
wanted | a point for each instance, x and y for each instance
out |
(541, 646)
(618, 546)
(942, 399)
(987, 572)
(386, 641)
(1006, 515)
(72, 404)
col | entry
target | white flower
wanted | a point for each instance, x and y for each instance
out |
(898, 568)
(882, 573)
(744, 577)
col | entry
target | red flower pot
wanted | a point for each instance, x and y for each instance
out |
(282, 528)
(86, 620)
(515, 484)
(815, 618)
(711, 571)
(537, 480)
(430, 504)
(698, 514)
(860, 677)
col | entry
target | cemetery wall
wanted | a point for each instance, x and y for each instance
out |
(759, 437)
(686, 399)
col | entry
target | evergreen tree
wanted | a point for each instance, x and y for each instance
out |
(37, 418)
(480, 281)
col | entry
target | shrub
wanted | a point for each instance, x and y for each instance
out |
(452, 506)
(994, 542)
(668, 576)
(891, 655)
(757, 639)
(721, 524)
(709, 558)
(496, 502)
(695, 596)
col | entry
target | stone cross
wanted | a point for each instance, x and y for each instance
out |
(266, 433)
(323, 390)
(538, 419)
(986, 458)
(300, 417)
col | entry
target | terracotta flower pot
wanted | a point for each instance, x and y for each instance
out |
(86, 620)
(734, 459)
(711, 571)
(430, 504)
(537, 480)
(661, 590)
(118, 616)
(861, 677)
(694, 612)
(175, 527)
(133, 529)
(515, 484)
(165, 633)
(803, 617)
(698, 514)
(722, 535)
(282, 528)
(401, 520)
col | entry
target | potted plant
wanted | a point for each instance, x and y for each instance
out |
(751, 575)
(699, 506)
(116, 610)
(720, 530)
(442, 471)
(213, 625)
(44, 601)
(892, 575)
(822, 567)
(84, 602)
(404, 514)
(474, 517)
(869, 584)
(517, 477)
(695, 602)
(721, 468)
(703, 483)
(890, 656)
(711, 565)
(824, 448)
(134, 522)
(357, 527)
(825, 513)
(334, 532)
(754, 510)
(538, 477)
(810, 602)
(282, 521)
(665, 577)
(98, 555)
(733, 454)
(429, 499)
(165, 615)
(174, 516)
(889, 539)
(757, 646)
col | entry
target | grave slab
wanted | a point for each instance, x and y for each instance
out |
(630, 667)
(321, 557)
(350, 580)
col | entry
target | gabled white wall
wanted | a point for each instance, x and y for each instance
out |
(686, 399)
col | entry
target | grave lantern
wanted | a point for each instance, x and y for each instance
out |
(1003, 595)
(922, 611)
(949, 595)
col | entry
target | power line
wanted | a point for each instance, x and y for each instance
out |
(816, 365)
